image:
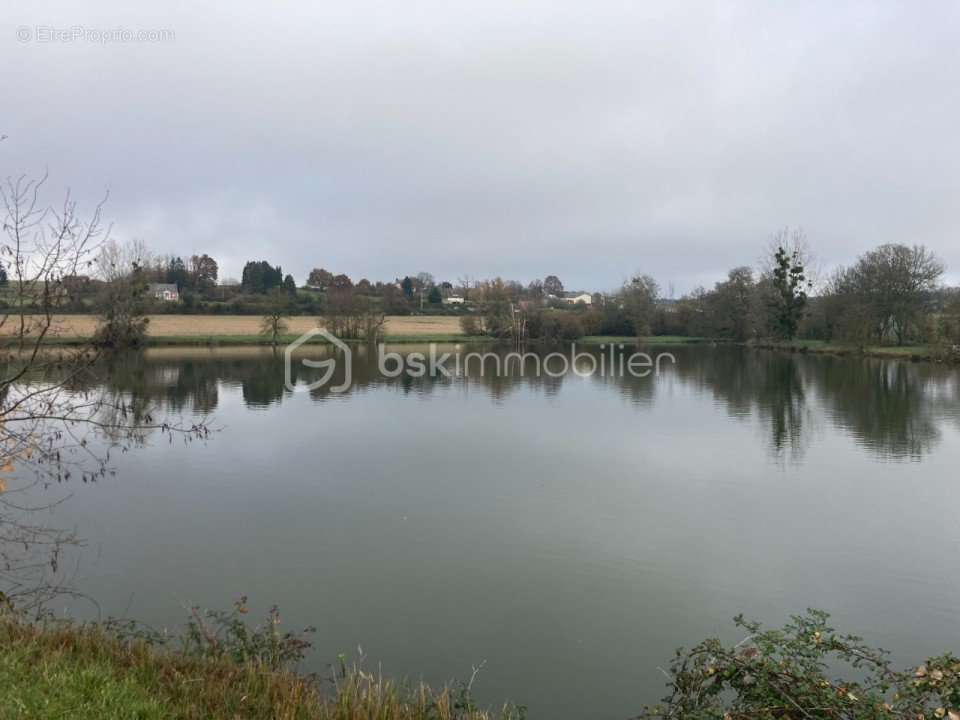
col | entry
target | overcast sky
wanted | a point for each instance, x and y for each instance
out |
(582, 139)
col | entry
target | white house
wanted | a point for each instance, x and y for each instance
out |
(577, 297)
(164, 291)
(453, 300)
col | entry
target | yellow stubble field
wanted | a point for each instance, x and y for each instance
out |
(73, 326)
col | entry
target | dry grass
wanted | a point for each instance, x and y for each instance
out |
(84, 674)
(73, 326)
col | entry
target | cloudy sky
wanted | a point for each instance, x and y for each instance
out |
(505, 137)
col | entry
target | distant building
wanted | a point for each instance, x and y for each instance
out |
(453, 300)
(577, 297)
(667, 304)
(166, 292)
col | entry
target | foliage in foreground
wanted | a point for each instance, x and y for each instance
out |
(223, 669)
(226, 669)
(793, 673)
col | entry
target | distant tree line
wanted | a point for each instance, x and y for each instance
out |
(198, 272)
(892, 294)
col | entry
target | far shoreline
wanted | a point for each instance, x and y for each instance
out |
(211, 331)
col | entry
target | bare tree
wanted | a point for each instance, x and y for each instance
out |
(464, 285)
(353, 316)
(48, 422)
(274, 324)
(796, 245)
(897, 284)
(123, 269)
(41, 245)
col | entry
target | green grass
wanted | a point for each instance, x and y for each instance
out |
(38, 684)
(63, 671)
(438, 338)
(650, 340)
(194, 340)
(911, 352)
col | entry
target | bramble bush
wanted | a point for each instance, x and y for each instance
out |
(217, 634)
(796, 672)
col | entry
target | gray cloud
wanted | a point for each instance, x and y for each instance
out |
(510, 138)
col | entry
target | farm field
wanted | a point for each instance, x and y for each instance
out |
(81, 326)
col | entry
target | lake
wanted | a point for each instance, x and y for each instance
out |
(565, 532)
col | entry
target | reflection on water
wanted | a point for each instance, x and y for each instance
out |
(569, 531)
(891, 408)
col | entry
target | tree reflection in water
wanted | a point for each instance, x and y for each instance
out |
(891, 408)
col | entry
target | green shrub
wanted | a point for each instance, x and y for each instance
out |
(798, 672)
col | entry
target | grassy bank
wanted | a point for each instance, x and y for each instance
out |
(237, 330)
(215, 340)
(650, 340)
(806, 669)
(64, 671)
(918, 353)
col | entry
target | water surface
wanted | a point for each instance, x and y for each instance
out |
(567, 532)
